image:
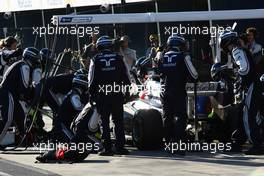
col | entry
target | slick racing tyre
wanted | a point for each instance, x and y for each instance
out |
(147, 129)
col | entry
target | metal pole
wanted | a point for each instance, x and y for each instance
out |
(15, 21)
(158, 25)
(5, 31)
(36, 41)
(53, 72)
(77, 35)
(113, 12)
(67, 35)
(123, 3)
(43, 24)
(211, 25)
(196, 133)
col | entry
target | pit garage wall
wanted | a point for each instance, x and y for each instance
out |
(138, 32)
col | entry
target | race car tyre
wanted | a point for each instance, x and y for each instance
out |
(147, 129)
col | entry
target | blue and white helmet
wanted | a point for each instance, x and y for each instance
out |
(80, 79)
(104, 42)
(226, 38)
(31, 56)
(177, 42)
(46, 56)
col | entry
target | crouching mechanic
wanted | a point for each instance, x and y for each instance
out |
(79, 134)
(108, 70)
(175, 66)
(71, 106)
(51, 89)
(228, 42)
(17, 86)
(82, 142)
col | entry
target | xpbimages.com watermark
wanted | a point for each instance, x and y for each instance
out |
(134, 89)
(81, 147)
(213, 31)
(81, 31)
(173, 147)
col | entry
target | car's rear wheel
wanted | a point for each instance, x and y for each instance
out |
(147, 129)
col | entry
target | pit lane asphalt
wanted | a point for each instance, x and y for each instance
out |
(11, 168)
(139, 163)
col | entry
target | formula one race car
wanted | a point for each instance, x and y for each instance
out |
(209, 104)
(143, 117)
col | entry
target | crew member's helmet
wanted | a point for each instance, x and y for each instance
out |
(46, 56)
(215, 71)
(176, 42)
(104, 42)
(227, 38)
(80, 79)
(31, 57)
